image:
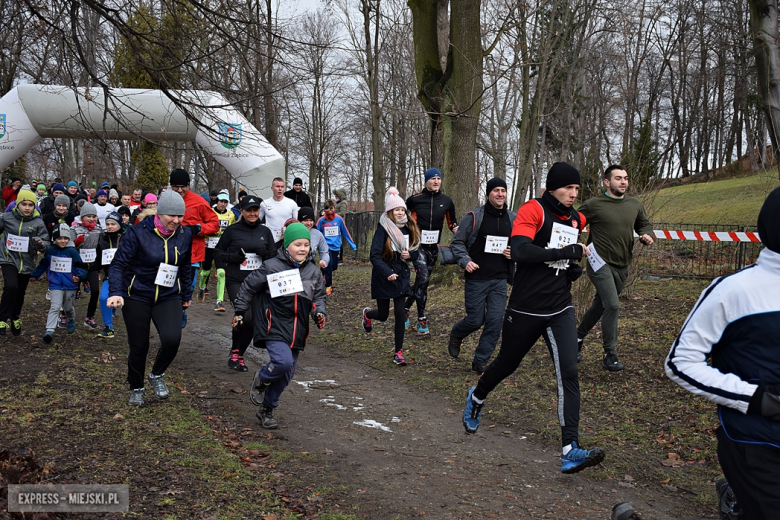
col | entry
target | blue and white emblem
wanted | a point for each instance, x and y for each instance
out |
(229, 135)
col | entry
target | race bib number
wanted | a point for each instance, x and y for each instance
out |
(406, 243)
(563, 236)
(430, 237)
(594, 259)
(494, 244)
(251, 262)
(331, 231)
(88, 255)
(285, 283)
(277, 234)
(17, 243)
(211, 242)
(61, 265)
(108, 256)
(166, 275)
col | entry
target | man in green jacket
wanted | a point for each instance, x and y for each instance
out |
(613, 217)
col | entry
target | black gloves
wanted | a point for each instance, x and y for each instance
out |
(570, 252)
(573, 272)
(766, 401)
(195, 228)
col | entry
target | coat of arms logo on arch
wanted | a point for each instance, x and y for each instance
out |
(230, 135)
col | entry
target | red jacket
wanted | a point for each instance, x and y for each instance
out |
(198, 211)
(9, 194)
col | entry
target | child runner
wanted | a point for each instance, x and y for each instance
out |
(318, 243)
(396, 240)
(332, 226)
(226, 218)
(109, 242)
(24, 233)
(290, 289)
(86, 236)
(60, 215)
(64, 267)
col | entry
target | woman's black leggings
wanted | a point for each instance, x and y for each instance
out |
(93, 277)
(14, 288)
(243, 338)
(382, 312)
(166, 316)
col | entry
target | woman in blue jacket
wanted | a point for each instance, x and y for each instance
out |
(151, 279)
(396, 241)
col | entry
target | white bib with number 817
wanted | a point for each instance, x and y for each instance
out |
(166, 275)
(251, 263)
(563, 236)
(88, 255)
(285, 283)
(61, 265)
(429, 237)
(494, 244)
(17, 243)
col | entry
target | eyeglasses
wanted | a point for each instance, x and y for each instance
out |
(179, 187)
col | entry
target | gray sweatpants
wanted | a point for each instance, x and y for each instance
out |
(485, 304)
(609, 282)
(61, 299)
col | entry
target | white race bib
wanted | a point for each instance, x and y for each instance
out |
(285, 283)
(251, 263)
(430, 237)
(166, 275)
(108, 256)
(331, 231)
(595, 261)
(494, 244)
(563, 236)
(88, 255)
(17, 243)
(211, 242)
(406, 243)
(61, 265)
(277, 234)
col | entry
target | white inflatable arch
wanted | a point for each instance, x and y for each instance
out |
(30, 113)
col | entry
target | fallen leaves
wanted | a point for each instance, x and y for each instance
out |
(672, 461)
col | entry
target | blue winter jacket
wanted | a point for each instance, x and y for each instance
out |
(334, 242)
(61, 281)
(137, 260)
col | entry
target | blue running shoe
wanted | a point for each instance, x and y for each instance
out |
(367, 324)
(183, 319)
(471, 413)
(422, 326)
(71, 326)
(578, 459)
(87, 288)
(406, 323)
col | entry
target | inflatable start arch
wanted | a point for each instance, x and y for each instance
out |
(30, 113)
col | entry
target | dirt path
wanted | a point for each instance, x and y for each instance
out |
(392, 453)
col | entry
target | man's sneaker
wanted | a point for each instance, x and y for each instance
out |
(266, 417)
(16, 327)
(71, 328)
(472, 412)
(219, 307)
(137, 397)
(87, 288)
(91, 323)
(578, 459)
(579, 349)
(257, 390)
(454, 346)
(206, 292)
(48, 337)
(328, 290)
(624, 511)
(479, 369)
(406, 323)
(3, 326)
(368, 326)
(398, 358)
(422, 326)
(236, 361)
(160, 388)
(611, 363)
(201, 296)
(106, 333)
(728, 506)
(63, 323)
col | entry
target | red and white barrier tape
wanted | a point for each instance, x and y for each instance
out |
(707, 236)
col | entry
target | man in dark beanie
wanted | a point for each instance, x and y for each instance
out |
(544, 243)
(298, 194)
(736, 325)
(481, 247)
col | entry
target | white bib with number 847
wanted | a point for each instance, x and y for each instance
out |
(166, 275)
(285, 283)
(494, 244)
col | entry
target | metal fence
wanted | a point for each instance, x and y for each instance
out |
(665, 258)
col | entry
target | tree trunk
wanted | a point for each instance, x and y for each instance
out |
(766, 43)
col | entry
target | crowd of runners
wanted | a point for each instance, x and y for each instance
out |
(147, 254)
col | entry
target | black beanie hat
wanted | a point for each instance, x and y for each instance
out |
(562, 174)
(297, 180)
(495, 182)
(305, 213)
(180, 177)
(769, 222)
(214, 193)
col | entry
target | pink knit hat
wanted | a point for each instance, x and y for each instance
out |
(393, 200)
(150, 197)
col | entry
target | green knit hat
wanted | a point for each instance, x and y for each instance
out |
(295, 231)
(26, 195)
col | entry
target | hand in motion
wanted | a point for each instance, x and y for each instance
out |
(186, 304)
(405, 254)
(238, 320)
(323, 264)
(646, 240)
(320, 319)
(392, 277)
(508, 252)
(471, 267)
(115, 302)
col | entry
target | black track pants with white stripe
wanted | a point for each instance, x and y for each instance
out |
(519, 334)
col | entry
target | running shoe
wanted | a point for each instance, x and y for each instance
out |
(578, 459)
(472, 412)
(219, 307)
(183, 318)
(91, 323)
(78, 294)
(367, 324)
(422, 325)
(454, 346)
(16, 327)
(87, 288)
(257, 390)
(201, 296)
(206, 292)
(624, 511)
(106, 333)
(479, 369)
(328, 290)
(727, 502)
(160, 388)
(137, 397)
(611, 362)
(3, 326)
(233, 361)
(406, 323)
(398, 358)
(63, 323)
(266, 417)
(48, 336)
(71, 328)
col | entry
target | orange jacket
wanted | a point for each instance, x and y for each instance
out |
(198, 211)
